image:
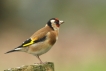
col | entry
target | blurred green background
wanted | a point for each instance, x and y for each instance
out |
(82, 38)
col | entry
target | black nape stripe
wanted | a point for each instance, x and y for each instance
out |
(49, 24)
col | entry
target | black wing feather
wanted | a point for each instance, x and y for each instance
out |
(29, 41)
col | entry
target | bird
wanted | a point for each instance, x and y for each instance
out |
(42, 40)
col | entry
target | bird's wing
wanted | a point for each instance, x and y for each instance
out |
(31, 41)
(38, 36)
(27, 42)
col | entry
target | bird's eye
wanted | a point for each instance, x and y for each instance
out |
(57, 21)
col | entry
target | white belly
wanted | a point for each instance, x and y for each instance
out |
(39, 48)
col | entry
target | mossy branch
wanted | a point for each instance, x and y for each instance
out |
(49, 66)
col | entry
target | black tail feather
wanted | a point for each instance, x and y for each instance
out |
(11, 51)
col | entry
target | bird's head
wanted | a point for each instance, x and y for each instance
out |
(54, 23)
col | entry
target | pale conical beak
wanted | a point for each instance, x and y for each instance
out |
(61, 22)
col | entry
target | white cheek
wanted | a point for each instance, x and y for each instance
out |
(52, 21)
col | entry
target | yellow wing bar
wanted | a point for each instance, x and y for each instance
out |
(28, 42)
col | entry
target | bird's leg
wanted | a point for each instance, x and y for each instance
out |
(39, 59)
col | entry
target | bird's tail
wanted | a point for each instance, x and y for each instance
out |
(11, 51)
(14, 50)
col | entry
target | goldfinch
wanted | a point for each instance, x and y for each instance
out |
(42, 40)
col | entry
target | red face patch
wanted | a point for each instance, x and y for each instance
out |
(56, 19)
(58, 25)
(57, 22)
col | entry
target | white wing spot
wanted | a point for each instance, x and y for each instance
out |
(18, 49)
